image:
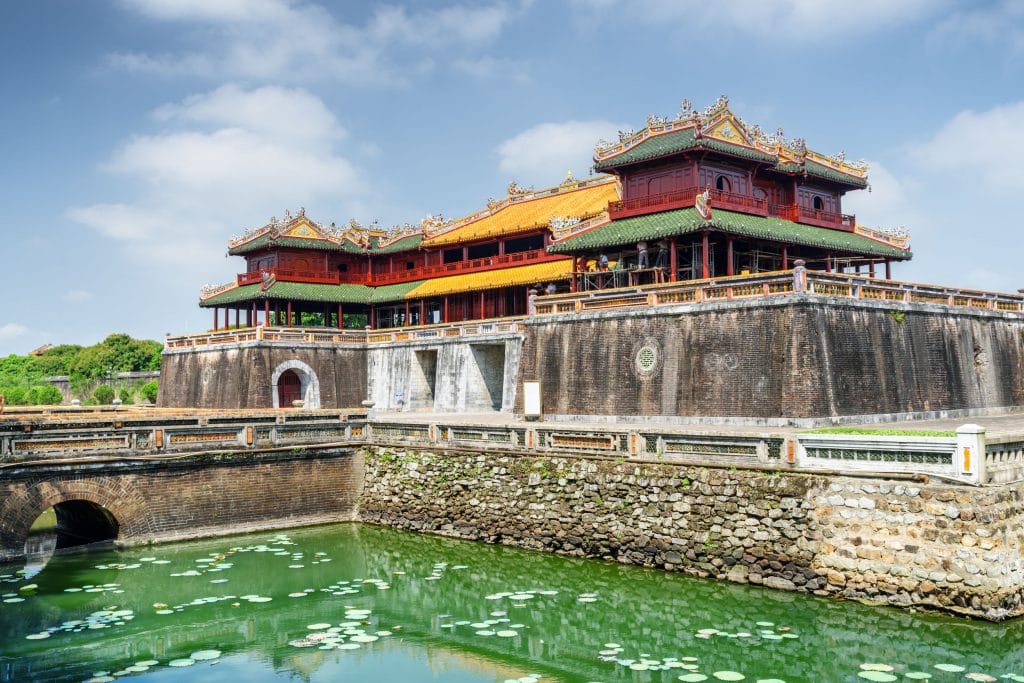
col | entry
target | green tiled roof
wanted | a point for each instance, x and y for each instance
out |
(684, 221)
(404, 244)
(392, 292)
(678, 141)
(813, 168)
(296, 291)
(264, 242)
(305, 291)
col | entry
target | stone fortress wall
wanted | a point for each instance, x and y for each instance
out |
(771, 361)
(786, 358)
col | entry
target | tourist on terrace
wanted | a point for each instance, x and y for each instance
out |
(641, 255)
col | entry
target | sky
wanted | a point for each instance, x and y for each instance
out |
(138, 136)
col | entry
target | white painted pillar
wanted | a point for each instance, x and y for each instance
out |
(970, 453)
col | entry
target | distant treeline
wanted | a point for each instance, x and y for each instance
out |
(22, 378)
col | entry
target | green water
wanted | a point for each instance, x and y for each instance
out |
(441, 610)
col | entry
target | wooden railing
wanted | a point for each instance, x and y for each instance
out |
(331, 336)
(486, 263)
(731, 201)
(771, 284)
(686, 197)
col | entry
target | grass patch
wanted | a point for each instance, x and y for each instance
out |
(46, 521)
(876, 431)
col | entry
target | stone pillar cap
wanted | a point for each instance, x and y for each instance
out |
(970, 429)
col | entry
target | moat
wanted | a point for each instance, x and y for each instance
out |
(359, 602)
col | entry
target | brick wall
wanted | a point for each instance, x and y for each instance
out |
(189, 498)
(240, 377)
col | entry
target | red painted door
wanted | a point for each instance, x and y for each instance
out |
(288, 388)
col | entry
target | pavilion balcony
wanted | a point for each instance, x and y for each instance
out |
(316, 277)
(730, 201)
(822, 219)
(679, 199)
(485, 263)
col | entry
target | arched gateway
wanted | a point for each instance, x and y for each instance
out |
(88, 511)
(292, 381)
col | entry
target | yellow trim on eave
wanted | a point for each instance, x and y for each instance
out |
(538, 273)
(532, 214)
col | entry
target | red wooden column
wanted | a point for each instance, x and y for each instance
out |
(871, 267)
(341, 317)
(483, 305)
(729, 268)
(423, 311)
(216, 316)
(673, 260)
(828, 263)
(406, 323)
(785, 257)
(704, 264)
(266, 312)
(248, 315)
(372, 316)
(288, 322)
(501, 247)
(444, 317)
(888, 269)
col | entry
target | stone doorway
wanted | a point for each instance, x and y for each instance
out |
(284, 389)
(289, 388)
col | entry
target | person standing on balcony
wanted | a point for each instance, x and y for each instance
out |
(662, 260)
(641, 255)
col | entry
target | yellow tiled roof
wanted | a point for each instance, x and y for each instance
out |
(532, 213)
(538, 273)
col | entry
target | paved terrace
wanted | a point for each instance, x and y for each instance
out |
(603, 295)
(928, 448)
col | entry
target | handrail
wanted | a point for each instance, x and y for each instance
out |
(770, 284)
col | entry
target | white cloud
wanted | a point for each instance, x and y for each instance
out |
(544, 152)
(984, 151)
(805, 21)
(297, 41)
(999, 24)
(11, 330)
(77, 296)
(888, 204)
(490, 68)
(224, 161)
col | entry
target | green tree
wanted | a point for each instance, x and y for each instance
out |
(104, 394)
(149, 391)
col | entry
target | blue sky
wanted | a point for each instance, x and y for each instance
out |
(139, 135)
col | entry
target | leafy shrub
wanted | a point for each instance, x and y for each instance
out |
(43, 395)
(149, 391)
(103, 394)
(127, 396)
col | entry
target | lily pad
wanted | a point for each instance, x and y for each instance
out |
(728, 675)
(950, 668)
(693, 678)
(880, 676)
(181, 662)
(205, 655)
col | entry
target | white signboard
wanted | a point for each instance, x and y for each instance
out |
(531, 399)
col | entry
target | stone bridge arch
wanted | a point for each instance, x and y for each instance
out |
(85, 501)
(309, 383)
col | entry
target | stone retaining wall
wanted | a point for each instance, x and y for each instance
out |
(937, 546)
